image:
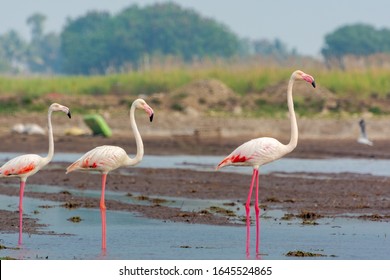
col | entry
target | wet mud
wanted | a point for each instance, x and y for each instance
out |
(311, 195)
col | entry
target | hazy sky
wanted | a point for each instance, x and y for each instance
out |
(300, 24)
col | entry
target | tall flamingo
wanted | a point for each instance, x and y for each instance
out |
(107, 158)
(26, 165)
(260, 151)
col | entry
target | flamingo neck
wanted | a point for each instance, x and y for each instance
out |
(293, 120)
(50, 153)
(138, 140)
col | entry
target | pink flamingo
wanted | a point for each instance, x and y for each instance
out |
(26, 165)
(260, 151)
(107, 158)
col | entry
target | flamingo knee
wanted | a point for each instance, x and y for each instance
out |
(247, 207)
(257, 209)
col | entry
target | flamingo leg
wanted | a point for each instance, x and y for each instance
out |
(103, 211)
(247, 210)
(21, 193)
(257, 210)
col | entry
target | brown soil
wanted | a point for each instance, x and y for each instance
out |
(316, 194)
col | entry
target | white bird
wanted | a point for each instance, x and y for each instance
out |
(29, 128)
(107, 158)
(260, 151)
(26, 165)
(363, 139)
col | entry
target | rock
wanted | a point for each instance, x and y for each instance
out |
(75, 131)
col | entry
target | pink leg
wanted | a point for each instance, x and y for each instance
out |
(257, 209)
(103, 211)
(21, 193)
(247, 210)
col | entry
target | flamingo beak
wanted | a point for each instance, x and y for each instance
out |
(69, 115)
(309, 79)
(150, 112)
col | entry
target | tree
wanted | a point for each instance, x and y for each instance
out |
(357, 39)
(36, 21)
(84, 44)
(274, 48)
(43, 54)
(12, 52)
(96, 41)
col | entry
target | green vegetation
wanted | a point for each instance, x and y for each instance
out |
(358, 83)
(355, 90)
(356, 39)
(98, 41)
(134, 83)
(137, 38)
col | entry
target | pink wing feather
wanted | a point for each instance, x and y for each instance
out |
(21, 166)
(102, 158)
(255, 152)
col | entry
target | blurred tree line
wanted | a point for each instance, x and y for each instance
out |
(355, 40)
(98, 42)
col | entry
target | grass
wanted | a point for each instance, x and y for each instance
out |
(359, 83)
(356, 85)
(135, 83)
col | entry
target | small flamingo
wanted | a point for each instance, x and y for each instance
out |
(26, 165)
(107, 158)
(260, 151)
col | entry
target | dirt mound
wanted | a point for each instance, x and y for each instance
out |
(198, 97)
(319, 99)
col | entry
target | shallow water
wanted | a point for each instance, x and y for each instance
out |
(378, 167)
(130, 236)
(133, 237)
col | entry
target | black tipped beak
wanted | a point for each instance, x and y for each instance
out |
(313, 84)
(151, 117)
(69, 115)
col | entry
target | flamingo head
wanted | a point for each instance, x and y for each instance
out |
(141, 104)
(300, 75)
(58, 107)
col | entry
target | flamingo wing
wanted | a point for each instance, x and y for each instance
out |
(255, 152)
(102, 158)
(21, 166)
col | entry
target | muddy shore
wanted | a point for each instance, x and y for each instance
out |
(310, 194)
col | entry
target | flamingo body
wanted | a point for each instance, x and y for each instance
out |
(22, 166)
(103, 158)
(255, 152)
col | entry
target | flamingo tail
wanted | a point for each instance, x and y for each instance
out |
(233, 159)
(224, 162)
(73, 167)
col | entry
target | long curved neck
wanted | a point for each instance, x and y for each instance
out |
(138, 140)
(293, 120)
(50, 153)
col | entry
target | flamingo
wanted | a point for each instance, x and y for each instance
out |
(106, 158)
(260, 151)
(26, 165)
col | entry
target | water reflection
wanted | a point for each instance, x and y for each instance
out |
(131, 236)
(377, 167)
